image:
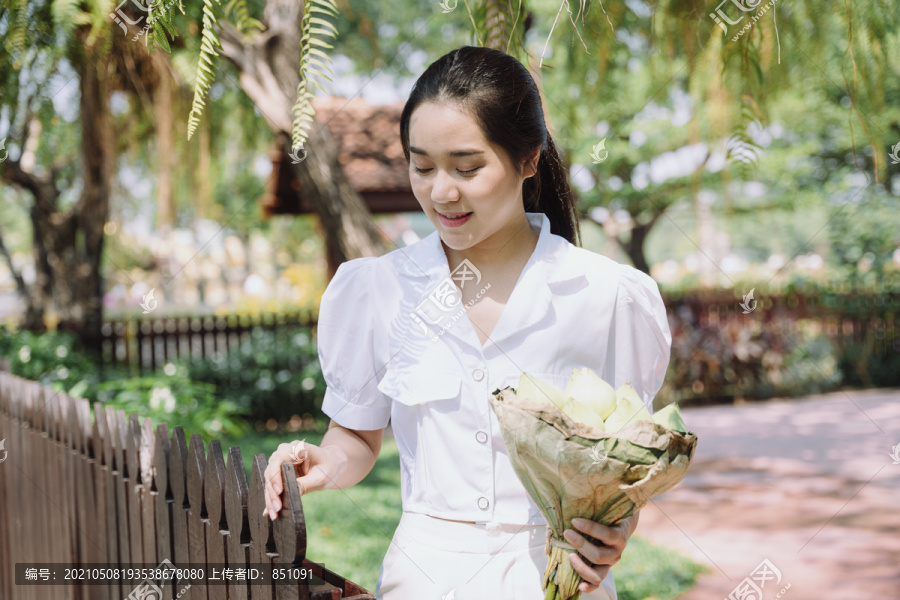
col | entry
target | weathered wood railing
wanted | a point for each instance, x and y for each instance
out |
(149, 342)
(110, 490)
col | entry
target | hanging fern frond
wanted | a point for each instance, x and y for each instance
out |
(743, 78)
(15, 44)
(240, 16)
(65, 14)
(311, 66)
(741, 150)
(209, 41)
(161, 24)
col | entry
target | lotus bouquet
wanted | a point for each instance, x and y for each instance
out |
(589, 451)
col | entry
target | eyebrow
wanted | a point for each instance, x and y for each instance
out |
(452, 153)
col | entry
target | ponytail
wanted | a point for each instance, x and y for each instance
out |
(548, 192)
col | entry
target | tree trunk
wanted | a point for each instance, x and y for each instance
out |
(634, 246)
(162, 105)
(204, 201)
(269, 68)
(32, 295)
(68, 246)
(78, 245)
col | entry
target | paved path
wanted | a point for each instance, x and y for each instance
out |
(807, 484)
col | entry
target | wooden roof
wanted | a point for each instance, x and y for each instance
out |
(368, 141)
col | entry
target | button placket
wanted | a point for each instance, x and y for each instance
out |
(481, 436)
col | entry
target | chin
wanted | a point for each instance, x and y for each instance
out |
(457, 241)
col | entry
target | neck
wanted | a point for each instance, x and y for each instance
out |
(512, 245)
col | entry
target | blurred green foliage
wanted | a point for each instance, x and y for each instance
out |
(270, 375)
(56, 360)
(864, 236)
(650, 571)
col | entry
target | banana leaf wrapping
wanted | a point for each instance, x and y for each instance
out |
(574, 470)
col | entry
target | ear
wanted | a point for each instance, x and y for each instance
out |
(530, 168)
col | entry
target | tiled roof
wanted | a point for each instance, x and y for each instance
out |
(368, 141)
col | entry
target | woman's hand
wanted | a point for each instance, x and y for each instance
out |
(309, 474)
(601, 557)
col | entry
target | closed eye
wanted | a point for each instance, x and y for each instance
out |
(423, 171)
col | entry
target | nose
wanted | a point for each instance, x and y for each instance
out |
(443, 190)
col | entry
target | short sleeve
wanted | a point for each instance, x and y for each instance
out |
(349, 347)
(640, 341)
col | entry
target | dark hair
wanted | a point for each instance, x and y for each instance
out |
(499, 92)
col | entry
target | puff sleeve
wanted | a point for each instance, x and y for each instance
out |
(350, 344)
(640, 342)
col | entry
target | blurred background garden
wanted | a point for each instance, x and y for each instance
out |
(164, 249)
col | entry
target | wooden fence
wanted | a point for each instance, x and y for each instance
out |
(722, 352)
(110, 490)
(148, 343)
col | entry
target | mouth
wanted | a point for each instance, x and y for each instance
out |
(454, 219)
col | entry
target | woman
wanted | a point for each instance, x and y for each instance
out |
(424, 334)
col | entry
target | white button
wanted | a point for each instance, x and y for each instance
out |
(483, 503)
(481, 437)
(478, 374)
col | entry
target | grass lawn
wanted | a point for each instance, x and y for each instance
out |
(350, 530)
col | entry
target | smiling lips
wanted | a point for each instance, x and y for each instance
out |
(454, 219)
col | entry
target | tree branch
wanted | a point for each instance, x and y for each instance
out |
(256, 77)
(17, 276)
(43, 189)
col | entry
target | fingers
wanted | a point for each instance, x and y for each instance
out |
(610, 536)
(273, 502)
(598, 555)
(591, 575)
(273, 483)
(313, 479)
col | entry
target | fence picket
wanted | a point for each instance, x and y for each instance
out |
(180, 507)
(197, 519)
(5, 482)
(262, 542)
(237, 539)
(164, 503)
(214, 488)
(148, 495)
(131, 431)
(105, 493)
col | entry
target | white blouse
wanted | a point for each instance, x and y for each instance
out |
(570, 308)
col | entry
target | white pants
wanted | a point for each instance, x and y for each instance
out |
(436, 559)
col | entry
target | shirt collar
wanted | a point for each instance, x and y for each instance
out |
(547, 273)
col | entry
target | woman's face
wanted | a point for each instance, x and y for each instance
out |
(466, 185)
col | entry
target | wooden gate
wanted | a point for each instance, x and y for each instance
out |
(112, 491)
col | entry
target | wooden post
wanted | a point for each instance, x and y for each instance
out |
(214, 489)
(180, 506)
(148, 495)
(164, 503)
(237, 538)
(105, 492)
(131, 431)
(197, 518)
